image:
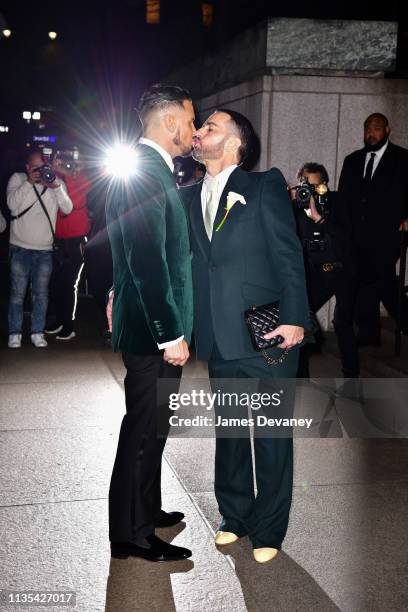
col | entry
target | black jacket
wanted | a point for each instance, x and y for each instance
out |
(376, 211)
(334, 231)
(254, 258)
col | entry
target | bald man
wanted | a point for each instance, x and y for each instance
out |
(373, 185)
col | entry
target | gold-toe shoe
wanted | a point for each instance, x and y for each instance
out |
(264, 555)
(225, 537)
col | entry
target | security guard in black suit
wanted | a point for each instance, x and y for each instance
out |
(374, 187)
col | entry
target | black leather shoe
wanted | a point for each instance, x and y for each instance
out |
(158, 551)
(168, 519)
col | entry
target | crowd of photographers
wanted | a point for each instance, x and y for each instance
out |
(49, 225)
(350, 242)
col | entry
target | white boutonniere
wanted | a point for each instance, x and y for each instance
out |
(232, 198)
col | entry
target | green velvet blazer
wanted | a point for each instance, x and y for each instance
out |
(148, 232)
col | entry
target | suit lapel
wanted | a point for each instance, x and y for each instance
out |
(197, 222)
(237, 182)
(155, 156)
(384, 165)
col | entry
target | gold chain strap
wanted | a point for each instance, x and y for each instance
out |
(271, 361)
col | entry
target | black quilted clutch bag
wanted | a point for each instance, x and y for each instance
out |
(261, 320)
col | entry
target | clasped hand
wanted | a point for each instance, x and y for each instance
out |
(292, 335)
(176, 355)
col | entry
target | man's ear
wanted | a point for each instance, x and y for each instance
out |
(388, 130)
(170, 122)
(232, 144)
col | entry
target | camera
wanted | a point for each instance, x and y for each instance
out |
(304, 191)
(47, 173)
(68, 158)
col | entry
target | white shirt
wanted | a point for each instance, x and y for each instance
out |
(32, 230)
(167, 158)
(221, 180)
(377, 158)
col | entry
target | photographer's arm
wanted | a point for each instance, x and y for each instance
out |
(338, 224)
(63, 200)
(18, 192)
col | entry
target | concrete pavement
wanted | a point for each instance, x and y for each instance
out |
(60, 412)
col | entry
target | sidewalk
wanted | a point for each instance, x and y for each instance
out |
(60, 412)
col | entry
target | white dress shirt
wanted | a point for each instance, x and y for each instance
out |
(167, 158)
(221, 180)
(377, 158)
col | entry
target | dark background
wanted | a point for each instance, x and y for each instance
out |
(106, 53)
(87, 82)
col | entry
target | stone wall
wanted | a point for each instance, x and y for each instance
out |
(313, 118)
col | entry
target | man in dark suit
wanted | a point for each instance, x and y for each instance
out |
(151, 317)
(373, 185)
(249, 256)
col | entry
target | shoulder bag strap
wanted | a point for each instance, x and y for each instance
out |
(14, 217)
(45, 210)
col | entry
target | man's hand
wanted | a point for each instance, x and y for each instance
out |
(291, 334)
(54, 185)
(33, 176)
(404, 225)
(59, 167)
(109, 309)
(177, 354)
(313, 211)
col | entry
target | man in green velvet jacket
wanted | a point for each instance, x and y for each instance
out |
(151, 319)
(245, 252)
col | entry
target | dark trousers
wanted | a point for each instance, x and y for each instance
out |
(64, 284)
(321, 287)
(99, 271)
(377, 283)
(134, 495)
(263, 517)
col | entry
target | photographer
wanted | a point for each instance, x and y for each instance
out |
(324, 230)
(70, 232)
(3, 223)
(34, 199)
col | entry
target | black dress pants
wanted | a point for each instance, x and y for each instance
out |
(64, 284)
(377, 283)
(343, 285)
(135, 492)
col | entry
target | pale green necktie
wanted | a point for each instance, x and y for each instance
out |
(211, 204)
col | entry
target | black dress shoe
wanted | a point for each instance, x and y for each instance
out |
(158, 551)
(168, 519)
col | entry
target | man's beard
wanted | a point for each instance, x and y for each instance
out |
(185, 150)
(377, 146)
(203, 154)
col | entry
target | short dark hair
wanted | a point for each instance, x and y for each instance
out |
(33, 152)
(245, 132)
(159, 97)
(312, 168)
(377, 116)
